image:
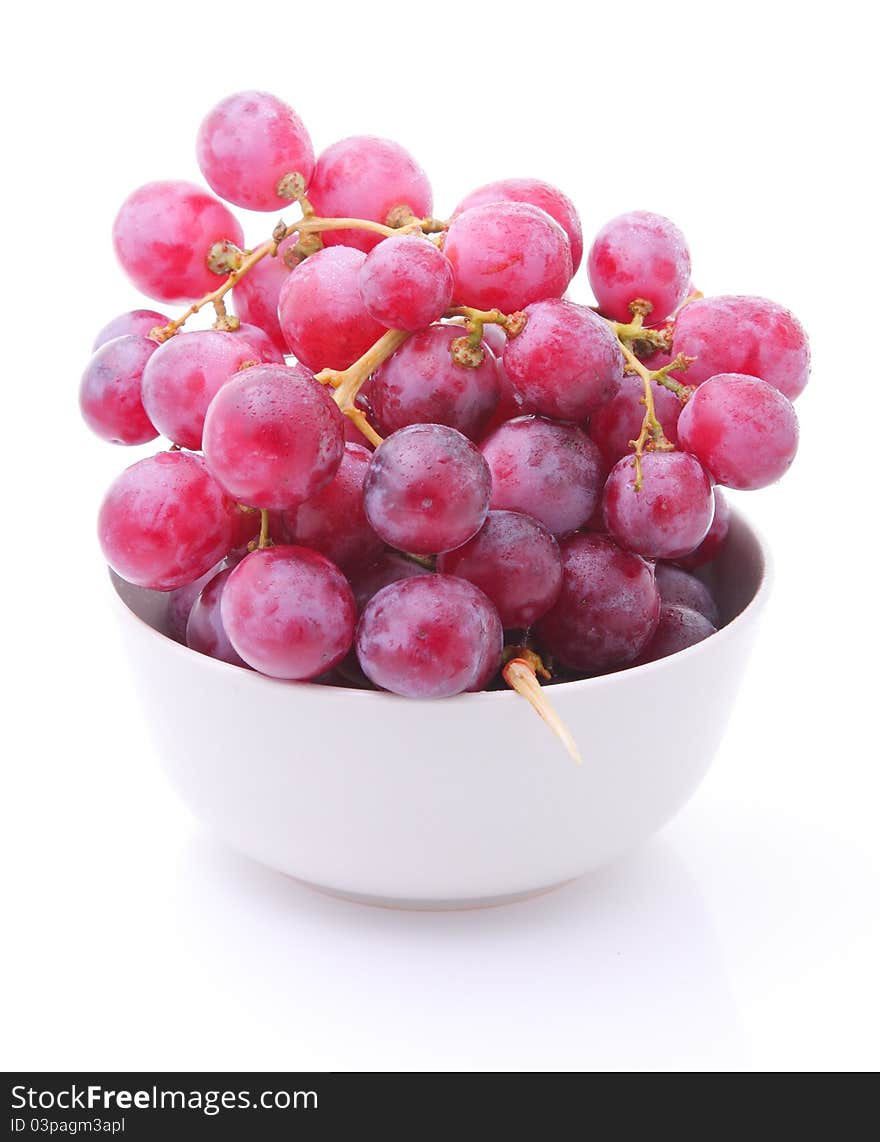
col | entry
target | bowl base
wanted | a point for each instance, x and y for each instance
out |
(405, 904)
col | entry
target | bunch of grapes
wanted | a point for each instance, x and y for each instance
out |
(408, 460)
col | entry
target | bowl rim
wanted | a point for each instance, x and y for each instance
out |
(617, 677)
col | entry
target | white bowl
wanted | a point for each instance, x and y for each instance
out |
(461, 802)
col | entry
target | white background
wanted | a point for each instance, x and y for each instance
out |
(744, 937)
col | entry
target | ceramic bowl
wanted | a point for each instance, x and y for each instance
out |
(460, 802)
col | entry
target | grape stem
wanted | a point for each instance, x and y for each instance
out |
(265, 539)
(467, 350)
(521, 674)
(347, 382)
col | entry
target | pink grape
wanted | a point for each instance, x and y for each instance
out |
(183, 376)
(566, 361)
(515, 562)
(366, 177)
(256, 293)
(165, 521)
(288, 612)
(204, 626)
(607, 610)
(406, 282)
(273, 436)
(669, 515)
(678, 628)
(163, 234)
(536, 193)
(639, 255)
(715, 536)
(266, 350)
(619, 420)
(429, 637)
(679, 589)
(427, 489)
(333, 521)
(739, 334)
(140, 322)
(507, 255)
(390, 567)
(422, 384)
(181, 600)
(110, 391)
(490, 661)
(550, 471)
(742, 429)
(322, 315)
(247, 143)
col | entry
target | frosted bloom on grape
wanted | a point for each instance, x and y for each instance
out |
(140, 322)
(608, 607)
(183, 376)
(163, 234)
(333, 520)
(742, 429)
(536, 193)
(110, 391)
(265, 349)
(422, 384)
(619, 420)
(366, 177)
(679, 589)
(507, 255)
(551, 471)
(565, 362)
(669, 515)
(181, 601)
(429, 637)
(321, 312)
(256, 293)
(406, 282)
(639, 255)
(247, 143)
(741, 334)
(715, 536)
(273, 436)
(204, 626)
(390, 566)
(288, 612)
(165, 521)
(515, 562)
(427, 489)
(678, 628)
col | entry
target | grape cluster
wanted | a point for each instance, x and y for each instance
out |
(410, 460)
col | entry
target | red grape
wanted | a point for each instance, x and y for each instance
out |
(639, 255)
(140, 322)
(204, 627)
(288, 612)
(333, 521)
(322, 315)
(366, 177)
(507, 255)
(110, 397)
(256, 293)
(738, 334)
(422, 384)
(427, 489)
(565, 362)
(515, 562)
(273, 436)
(389, 568)
(678, 628)
(537, 193)
(679, 589)
(181, 600)
(742, 429)
(163, 234)
(247, 143)
(406, 282)
(715, 536)
(429, 637)
(266, 349)
(165, 521)
(183, 376)
(608, 607)
(619, 420)
(669, 515)
(551, 471)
